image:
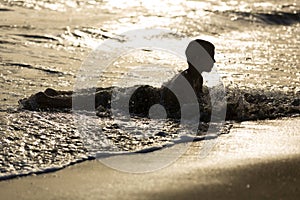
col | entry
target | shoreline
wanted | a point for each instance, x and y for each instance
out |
(187, 140)
(256, 160)
(147, 150)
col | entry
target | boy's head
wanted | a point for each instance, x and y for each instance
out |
(200, 55)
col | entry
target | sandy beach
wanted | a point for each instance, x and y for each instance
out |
(256, 160)
(44, 43)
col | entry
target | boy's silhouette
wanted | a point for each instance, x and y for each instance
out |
(200, 58)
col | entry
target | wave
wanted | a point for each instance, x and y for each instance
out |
(7, 176)
(41, 142)
(40, 68)
(6, 10)
(240, 104)
(271, 18)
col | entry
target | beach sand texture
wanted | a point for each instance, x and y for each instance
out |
(256, 160)
(43, 44)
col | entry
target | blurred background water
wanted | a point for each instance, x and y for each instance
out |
(43, 43)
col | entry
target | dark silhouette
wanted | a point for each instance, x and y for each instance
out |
(200, 58)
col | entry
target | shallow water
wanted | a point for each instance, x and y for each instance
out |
(43, 44)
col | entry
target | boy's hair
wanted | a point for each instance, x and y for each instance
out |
(208, 46)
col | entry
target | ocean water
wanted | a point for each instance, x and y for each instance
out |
(43, 44)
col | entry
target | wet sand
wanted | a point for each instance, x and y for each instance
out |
(256, 160)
